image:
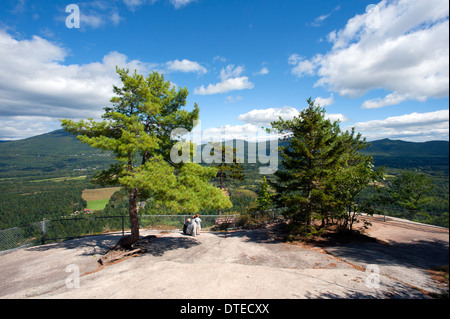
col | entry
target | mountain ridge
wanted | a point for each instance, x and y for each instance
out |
(59, 149)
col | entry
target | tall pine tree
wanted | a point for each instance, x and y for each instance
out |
(137, 129)
(315, 152)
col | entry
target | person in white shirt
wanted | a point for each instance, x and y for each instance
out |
(197, 221)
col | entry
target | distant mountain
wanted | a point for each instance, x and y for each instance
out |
(389, 147)
(59, 150)
(51, 152)
(401, 154)
(57, 142)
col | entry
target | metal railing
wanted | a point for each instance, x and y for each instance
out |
(49, 230)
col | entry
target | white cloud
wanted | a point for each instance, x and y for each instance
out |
(294, 59)
(232, 99)
(134, 3)
(400, 46)
(231, 81)
(115, 18)
(230, 71)
(320, 19)
(219, 58)
(97, 14)
(413, 127)
(185, 66)
(324, 101)
(333, 117)
(390, 99)
(35, 83)
(180, 3)
(92, 21)
(264, 70)
(20, 127)
(240, 83)
(249, 132)
(177, 4)
(303, 66)
(263, 117)
(100, 13)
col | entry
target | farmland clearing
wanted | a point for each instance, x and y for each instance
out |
(98, 198)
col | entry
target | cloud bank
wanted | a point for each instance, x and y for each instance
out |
(263, 117)
(231, 80)
(415, 127)
(399, 46)
(38, 89)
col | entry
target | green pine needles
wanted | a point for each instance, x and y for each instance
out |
(137, 128)
(322, 170)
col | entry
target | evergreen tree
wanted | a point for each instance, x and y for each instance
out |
(411, 191)
(228, 167)
(316, 162)
(312, 153)
(356, 173)
(137, 129)
(264, 199)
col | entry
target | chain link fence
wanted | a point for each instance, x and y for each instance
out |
(22, 236)
(66, 228)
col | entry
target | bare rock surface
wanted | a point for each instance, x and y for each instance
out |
(234, 264)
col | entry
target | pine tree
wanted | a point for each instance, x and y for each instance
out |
(228, 166)
(264, 199)
(354, 174)
(322, 171)
(310, 156)
(137, 129)
(411, 190)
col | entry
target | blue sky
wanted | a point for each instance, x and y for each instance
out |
(381, 67)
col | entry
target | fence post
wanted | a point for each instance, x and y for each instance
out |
(43, 232)
(123, 226)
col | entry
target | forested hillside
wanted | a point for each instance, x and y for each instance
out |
(43, 176)
(430, 156)
(55, 154)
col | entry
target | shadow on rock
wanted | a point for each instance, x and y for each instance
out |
(421, 253)
(159, 245)
(96, 244)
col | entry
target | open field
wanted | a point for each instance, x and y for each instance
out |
(60, 179)
(98, 198)
(98, 204)
(99, 193)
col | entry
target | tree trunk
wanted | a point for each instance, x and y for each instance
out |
(126, 242)
(133, 215)
(309, 210)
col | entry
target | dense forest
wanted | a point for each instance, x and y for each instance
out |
(24, 201)
(43, 177)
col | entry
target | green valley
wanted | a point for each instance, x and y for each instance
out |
(45, 176)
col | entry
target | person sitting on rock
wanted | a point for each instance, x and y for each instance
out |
(185, 226)
(191, 228)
